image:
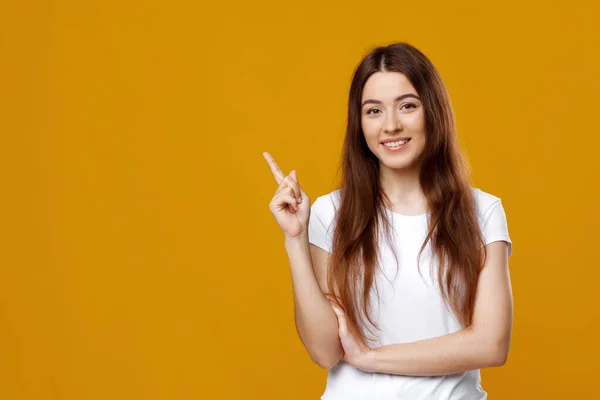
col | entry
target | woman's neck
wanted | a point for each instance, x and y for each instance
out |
(403, 188)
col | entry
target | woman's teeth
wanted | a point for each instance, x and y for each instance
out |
(395, 144)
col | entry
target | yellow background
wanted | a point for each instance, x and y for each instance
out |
(139, 259)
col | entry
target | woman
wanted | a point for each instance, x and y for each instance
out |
(414, 316)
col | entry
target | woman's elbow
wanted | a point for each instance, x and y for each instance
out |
(498, 355)
(327, 360)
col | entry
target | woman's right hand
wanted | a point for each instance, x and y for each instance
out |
(290, 205)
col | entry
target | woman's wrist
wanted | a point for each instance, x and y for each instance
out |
(300, 240)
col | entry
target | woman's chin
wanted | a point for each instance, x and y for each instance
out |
(403, 163)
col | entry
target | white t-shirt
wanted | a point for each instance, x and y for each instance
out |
(410, 305)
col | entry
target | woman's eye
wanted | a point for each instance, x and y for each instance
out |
(409, 105)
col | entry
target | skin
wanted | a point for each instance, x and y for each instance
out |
(398, 171)
(486, 342)
(315, 320)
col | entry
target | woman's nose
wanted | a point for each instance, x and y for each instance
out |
(391, 123)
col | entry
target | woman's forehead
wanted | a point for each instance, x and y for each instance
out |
(386, 86)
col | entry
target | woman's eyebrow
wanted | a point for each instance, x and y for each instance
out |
(395, 100)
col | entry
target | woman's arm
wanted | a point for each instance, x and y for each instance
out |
(483, 344)
(316, 322)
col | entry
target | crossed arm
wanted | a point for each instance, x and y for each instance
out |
(483, 344)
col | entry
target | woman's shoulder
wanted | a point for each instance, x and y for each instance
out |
(327, 204)
(332, 199)
(484, 200)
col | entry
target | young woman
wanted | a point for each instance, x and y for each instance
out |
(400, 276)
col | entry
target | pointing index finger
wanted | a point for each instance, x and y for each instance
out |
(274, 168)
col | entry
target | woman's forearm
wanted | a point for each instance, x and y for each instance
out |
(315, 320)
(453, 353)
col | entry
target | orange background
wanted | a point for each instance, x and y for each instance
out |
(139, 259)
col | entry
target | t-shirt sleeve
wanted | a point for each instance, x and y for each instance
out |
(319, 232)
(495, 227)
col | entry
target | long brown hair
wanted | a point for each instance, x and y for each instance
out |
(453, 228)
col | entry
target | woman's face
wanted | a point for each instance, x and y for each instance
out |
(392, 109)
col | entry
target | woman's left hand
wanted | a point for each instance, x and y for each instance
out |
(356, 352)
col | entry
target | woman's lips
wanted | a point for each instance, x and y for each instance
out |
(403, 146)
